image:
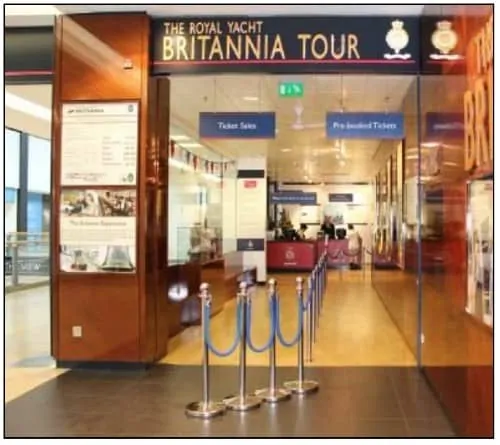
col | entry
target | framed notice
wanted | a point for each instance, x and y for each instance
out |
(99, 143)
(98, 230)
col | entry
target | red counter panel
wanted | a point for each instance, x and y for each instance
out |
(291, 255)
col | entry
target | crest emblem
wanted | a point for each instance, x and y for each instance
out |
(397, 39)
(444, 39)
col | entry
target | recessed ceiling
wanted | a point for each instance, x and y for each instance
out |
(300, 148)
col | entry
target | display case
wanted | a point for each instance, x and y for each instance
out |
(479, 300)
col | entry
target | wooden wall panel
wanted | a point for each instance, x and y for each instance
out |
(458, 351)
(98, 58)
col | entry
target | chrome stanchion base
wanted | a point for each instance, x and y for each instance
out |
(246, 403)
(302, 386)
(205, 410)
(273, 395)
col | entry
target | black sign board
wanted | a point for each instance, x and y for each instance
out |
(286, 44)
(29, 55)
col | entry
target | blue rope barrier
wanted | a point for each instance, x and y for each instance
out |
(272, 314)
(299, 327)
(208, 340)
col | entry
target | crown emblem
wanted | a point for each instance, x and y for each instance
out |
(397, 39)
(444, 39)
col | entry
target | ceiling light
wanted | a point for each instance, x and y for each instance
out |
(430, 144)
(342, 163)
(179, 137)
(286, 150)
(251, 98)
(310, 181)
(306, 177)
(27, 107)
(192, 145)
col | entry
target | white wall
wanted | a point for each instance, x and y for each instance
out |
(229, 212)
(39, 165)
(11, 159)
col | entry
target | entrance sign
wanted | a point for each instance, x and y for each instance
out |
(294, 197)
(291, 89)
(99, 143)
(365, 125)
(237, 125)
(286, 44)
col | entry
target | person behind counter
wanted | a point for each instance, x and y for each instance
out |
(302, 231)
(353, 244)
(328, 228)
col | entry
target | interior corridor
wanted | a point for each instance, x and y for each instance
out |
(354, 328)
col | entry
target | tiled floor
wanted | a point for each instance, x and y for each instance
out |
(368, 385)
(354, 402)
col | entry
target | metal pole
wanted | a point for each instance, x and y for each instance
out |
(301, 386)
(206, 408)
(318, 296)
(311, 310)
(243, 401)
(310, 322)
(273, 394)
(15, 263)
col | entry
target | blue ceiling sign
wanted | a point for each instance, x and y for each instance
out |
(444, 125)
(294, 197)
(237, 125)
(340, 197)
(286, 44)
(365, 125)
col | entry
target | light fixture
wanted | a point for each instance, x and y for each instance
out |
(306, 177)
(430, 144)
(286, 150)
(192, 145)
(342, 163)
(179, 137)
(27, 107)
(251, 98)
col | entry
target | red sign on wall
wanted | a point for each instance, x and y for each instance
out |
(250, 184)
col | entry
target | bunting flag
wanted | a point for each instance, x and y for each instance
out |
(176, 151)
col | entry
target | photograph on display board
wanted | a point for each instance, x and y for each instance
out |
(480, 251)
(87, 203)
(98, 231)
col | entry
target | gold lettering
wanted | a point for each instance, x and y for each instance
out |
(232, 48)
(203, 40)
(352, 47)
(168, 48)
(181, 48)
(278, 48)
(339, 55)
(482, 148)
(216, 49)
(489, 94)
(255, 48)
(304, 38)
(469, 139)
(319, 51)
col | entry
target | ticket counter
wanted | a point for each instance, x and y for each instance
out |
(291, 255)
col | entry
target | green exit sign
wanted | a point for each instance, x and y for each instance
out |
(291, 89)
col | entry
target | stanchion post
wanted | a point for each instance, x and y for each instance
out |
(301, 386)
(206, 408)
(309, 320)
(273, 394)
(243, 401)
(312, 308)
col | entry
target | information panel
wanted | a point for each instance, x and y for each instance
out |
(98, 230)
(99, 144)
